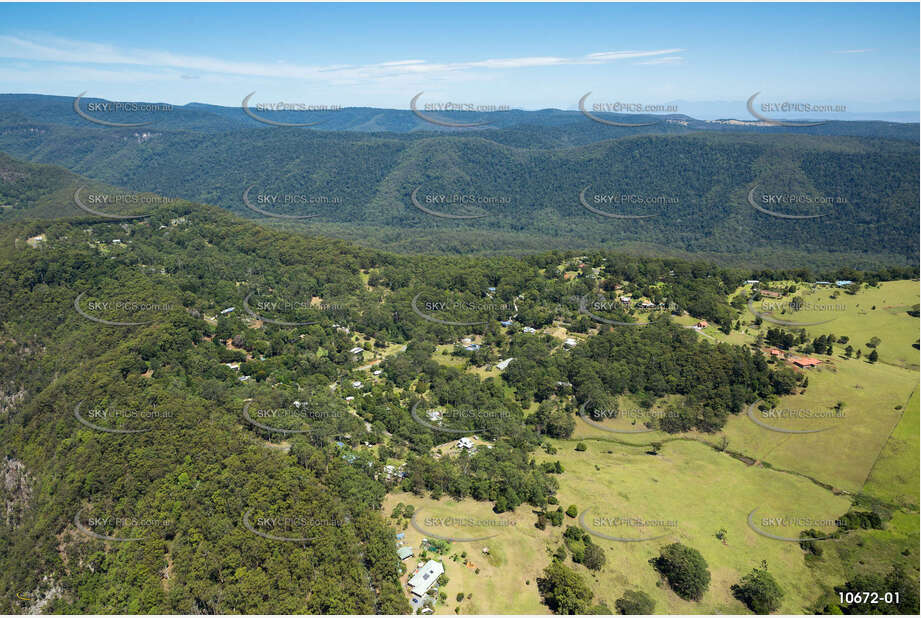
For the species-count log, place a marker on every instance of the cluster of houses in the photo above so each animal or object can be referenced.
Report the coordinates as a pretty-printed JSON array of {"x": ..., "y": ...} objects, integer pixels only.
[
  {"x": 840, "y": 283},
  {"x": 626, "y": 301},
  {"x": 803, "y": 362},
  {"x": 394, "y": 472},
  {"x": 469, "y": 345}
]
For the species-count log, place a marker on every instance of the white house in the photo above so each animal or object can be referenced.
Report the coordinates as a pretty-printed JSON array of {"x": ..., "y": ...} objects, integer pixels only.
[
  {"x": 528, "y": 329},
  {"x": 501, "y": 365},
  {"x": 465, "y": 443},
  {"x": 357, "y": 350},
  {"x": 570, "y": 342},
  {"x": 227, "y": 310},
  {"x": 425, "y": 578},
  {"x": 434, "y": 414},
  {"x": 356, "y": 384}
]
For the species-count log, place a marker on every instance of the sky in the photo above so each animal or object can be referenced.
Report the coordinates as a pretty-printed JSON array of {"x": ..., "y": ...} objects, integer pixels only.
[{"x": 528, "y": 56}]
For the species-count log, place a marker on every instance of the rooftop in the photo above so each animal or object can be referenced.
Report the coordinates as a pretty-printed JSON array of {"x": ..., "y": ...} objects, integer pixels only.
[{"x": 425, "y": 577}]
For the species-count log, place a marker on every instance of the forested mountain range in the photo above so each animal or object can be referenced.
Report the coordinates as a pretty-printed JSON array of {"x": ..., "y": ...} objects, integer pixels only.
[
  {"x": 547, "y": 127},
  {"x": 769, "y": 197},
  {"x": 154, "y": 313}
]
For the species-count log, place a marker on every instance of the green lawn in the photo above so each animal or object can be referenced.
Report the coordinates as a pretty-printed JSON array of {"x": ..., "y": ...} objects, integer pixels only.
[
  {"x": 895, "y": 477},
  {"x": 704, "y": 491},
  {"x": 872, "y": 312},
  {"x": 844, "y": 454},
  {"x": 689, "y": 482},
  {"x": 516, "y": 555}
]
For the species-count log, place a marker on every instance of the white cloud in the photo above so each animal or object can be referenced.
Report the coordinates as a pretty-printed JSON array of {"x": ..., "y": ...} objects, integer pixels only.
[{"x": 72, "y": 52}]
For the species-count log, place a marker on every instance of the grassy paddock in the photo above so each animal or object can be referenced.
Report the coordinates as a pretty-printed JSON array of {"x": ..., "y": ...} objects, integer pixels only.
[{"x": 678, "y": 484}]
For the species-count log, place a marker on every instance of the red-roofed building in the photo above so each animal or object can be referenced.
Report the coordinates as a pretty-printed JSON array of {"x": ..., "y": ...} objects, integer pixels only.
[
  {"x": 771, "y": 294},
  {"x": 775, "y": 352},
  {"x": 806, "y": 362},
  {"x": 702, "y": 324}
]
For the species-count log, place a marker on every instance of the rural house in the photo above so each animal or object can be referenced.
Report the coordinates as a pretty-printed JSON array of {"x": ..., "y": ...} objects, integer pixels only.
[{"x": 424, "y": 578}]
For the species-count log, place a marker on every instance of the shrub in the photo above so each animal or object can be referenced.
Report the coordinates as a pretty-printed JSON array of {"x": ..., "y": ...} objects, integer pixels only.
[
  {"x": 634, "y": 602},
  {"x": 563, "y": 590},
  {"x": 594, "y": 557},
  {"x": 759, "y": 591},
  {"x": 685, "y": 570}
]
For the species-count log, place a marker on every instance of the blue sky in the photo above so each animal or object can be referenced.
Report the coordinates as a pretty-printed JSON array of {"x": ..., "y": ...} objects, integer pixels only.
[{"x": 522, "y": 55}]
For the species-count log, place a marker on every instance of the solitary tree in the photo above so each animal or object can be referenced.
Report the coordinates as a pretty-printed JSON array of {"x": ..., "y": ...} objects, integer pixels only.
[
  {"x": 759, "y": 591},
  {"x": 685, "y": 570},
  {"x": 635, "y": 602}
]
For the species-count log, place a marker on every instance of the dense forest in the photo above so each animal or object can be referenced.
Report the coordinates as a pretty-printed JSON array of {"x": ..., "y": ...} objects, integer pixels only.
[
  {"x": 697, "y": 193},
  {"x": 140, "y": 356}
]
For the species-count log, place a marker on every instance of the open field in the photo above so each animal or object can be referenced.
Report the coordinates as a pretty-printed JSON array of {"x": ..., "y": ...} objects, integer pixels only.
[
  {"x": 843, "y": 454},
  {"x": 517, "y": 555},
  {"x": 894, "y": 477},
  {"x": 681, "y": 483},
  {"x": 872, "y": 312},
  {"x": 704, "y": 491}
]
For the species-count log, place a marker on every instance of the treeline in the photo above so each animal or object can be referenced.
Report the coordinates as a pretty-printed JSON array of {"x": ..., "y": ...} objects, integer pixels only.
[{"x": 360, "y": 182}]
